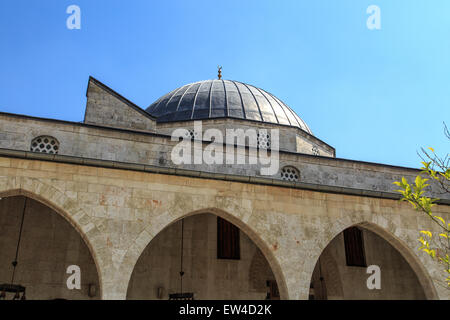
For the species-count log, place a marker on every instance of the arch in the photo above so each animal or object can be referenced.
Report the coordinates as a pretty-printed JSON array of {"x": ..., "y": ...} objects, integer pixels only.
[
  {"x": 389, "y": 235},
  {"x": 134, "y": 252},
  {"x": 412, "y": 259},
  {"x": 65, "y": 207}
]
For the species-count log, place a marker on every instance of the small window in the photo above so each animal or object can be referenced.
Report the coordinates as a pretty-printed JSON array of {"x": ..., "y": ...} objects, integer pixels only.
[
  {"x": 191, "y": 134},
  {"x": 315, "y": 151},
  {"x": 46, "y": 144},
  {"x": 227, "y": 240},
  {"x": 290, "y": 174},
  {"x": 354, "y": 247},
  {"x": 263, "y": 140}
]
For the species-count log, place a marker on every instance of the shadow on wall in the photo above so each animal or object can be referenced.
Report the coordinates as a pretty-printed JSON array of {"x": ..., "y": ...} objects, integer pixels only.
[
  {"x": 48, "y": 245},
  {"x": 219, "y": 262}
]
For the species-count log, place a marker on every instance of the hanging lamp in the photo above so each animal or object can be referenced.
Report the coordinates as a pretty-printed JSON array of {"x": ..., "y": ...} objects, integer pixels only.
[
  {"x": 11, "y": 287},
  {"x": 181, "y": 295},
  {"x": 322, "y": 283}
]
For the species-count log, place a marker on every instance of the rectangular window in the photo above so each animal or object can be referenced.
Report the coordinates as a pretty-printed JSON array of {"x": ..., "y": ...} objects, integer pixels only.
[
  {"x": 354, "y": 247},
  {"x": 227, "y": 240},
  {"x": 273, "y": 293}
]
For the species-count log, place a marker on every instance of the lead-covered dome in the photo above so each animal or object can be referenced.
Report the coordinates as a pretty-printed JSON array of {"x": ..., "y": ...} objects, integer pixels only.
[{"x": 211, "y": 99}]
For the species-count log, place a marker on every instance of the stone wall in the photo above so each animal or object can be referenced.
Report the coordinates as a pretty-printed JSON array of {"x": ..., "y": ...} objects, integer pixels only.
[
  {"x": 107, "y": 108},
  {"x": 150, "y": 149},
  {"x": 118, "y": 212}
]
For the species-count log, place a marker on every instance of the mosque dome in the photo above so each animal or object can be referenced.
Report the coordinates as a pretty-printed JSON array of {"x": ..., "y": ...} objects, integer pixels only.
[{"x": 212, "y": 99}]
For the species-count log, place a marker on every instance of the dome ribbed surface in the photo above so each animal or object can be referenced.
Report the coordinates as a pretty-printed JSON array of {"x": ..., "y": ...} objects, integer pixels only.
[{"x": 211, "y": 99}]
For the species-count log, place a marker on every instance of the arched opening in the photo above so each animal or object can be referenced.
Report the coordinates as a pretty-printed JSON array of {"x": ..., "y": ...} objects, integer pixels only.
[
  {"x": 341, "y": 271},
  {"x": 217, "y": 263},
  {"x": 46, "y": 246}
]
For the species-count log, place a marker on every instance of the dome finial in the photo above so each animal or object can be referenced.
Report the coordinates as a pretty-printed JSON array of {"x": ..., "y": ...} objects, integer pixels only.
[{"x": 219, "y": 70}]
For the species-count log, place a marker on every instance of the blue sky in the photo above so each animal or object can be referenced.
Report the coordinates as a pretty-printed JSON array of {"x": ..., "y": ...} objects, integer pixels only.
[{"x": 375, "y": 95}]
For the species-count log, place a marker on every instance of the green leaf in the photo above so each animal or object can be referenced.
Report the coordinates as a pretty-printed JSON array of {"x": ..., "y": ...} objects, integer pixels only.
[
  {"x": 440, "y": 219},
  {"x": 428, "y": 233}
]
